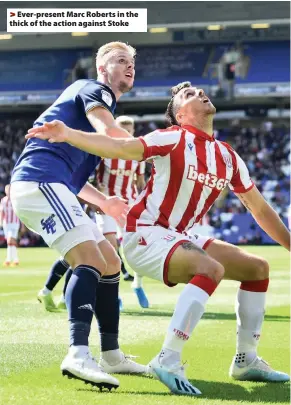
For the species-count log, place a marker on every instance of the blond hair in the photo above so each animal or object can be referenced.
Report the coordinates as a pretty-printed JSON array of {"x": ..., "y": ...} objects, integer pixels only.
[
  {"x": 124, "y": 119},
  {"x": 112, "y": 46}
]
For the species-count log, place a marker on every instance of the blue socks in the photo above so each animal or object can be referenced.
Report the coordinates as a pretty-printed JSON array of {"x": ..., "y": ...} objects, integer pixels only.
[
  {"x": 67, "y": 279},
  {"x": 87, "y": 294},
  {"x": 58, "y": 269},
  {"x": 107, "y": 311},
  {"x": 81, "y": 301}
]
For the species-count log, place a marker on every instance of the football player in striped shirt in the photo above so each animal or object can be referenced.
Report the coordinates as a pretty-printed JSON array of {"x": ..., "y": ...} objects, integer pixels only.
[
  {"x": 190, "y": 170},
  {"x": 10, "y": 223},
  {"x": 125, "y": 179}
]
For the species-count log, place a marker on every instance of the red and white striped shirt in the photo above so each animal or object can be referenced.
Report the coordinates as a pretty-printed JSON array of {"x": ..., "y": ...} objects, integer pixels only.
[
  {"x": 6, "y": 211},
  {"x": 117, "y": 176},
  {"x": 190, "y": 170}
]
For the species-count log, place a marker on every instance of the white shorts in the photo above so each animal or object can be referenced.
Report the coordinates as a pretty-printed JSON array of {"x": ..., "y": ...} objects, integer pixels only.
[
  {"x": 53, "y": 211},
  {"x": 149, "y": 250},
  {"x": 108, "y": 225},
  {"x": 11, "y": 230}
]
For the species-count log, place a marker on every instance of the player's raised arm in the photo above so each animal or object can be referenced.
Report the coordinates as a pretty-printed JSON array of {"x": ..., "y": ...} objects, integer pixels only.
[
  {"x": 266, "y": 216},
  {"x": 104, "y": 123},
  {"x": 244, "y": 188},
  {"x": 96, "y": 144}
]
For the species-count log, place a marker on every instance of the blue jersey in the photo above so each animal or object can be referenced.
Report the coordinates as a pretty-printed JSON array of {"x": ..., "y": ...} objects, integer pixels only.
[
  {"x": 81, "y": 176},
  {"x": 42, "y": 161}
]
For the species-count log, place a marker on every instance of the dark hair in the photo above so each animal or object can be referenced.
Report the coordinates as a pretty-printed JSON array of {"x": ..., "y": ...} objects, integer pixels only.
[{"x": 171, "y": 111}]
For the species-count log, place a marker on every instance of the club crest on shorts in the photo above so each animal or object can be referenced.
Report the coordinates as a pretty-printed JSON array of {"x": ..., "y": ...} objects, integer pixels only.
[
  {"x": 49, "y": 224},
  {"x": 106, "y": 97}
]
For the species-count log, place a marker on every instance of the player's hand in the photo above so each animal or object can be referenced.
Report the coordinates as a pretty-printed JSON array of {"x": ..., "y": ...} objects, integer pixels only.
[
  {"x": 54, "y": 131},
  {"x": 117, "y": 208}
]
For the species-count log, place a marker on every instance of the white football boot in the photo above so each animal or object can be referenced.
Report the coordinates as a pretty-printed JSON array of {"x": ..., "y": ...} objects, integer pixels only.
[
  {"x": 124, "y": 366},
  {"x": 47, "y": 301},
  {"x": 85, "y": 368},
  {"x": 62, "y": 303},
  {"x": 173, "y": 377},
  {"x": 257, "y": 370}
]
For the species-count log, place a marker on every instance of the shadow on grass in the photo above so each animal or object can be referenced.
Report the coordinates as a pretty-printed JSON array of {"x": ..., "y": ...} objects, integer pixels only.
[
  {"x": 207, "y": 315},
  {"x": 259, "y": 393}
]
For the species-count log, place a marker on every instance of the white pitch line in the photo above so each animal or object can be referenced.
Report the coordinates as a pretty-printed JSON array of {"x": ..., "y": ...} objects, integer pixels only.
[{"x": 16, "y": 293}]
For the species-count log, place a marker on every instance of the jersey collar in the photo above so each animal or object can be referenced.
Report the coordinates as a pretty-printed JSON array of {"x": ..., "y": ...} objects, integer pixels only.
[{"x": 199, "y": 133}]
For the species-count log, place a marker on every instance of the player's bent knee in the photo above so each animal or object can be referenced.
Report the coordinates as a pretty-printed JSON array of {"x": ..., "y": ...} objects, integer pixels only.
[
  {"x": 213, "y": 270},
  {"x": 216, "y": 271},
  {"x": 261, "y": 267},
  {"x": 112, "y": 240},
  {"x": 117, "y": 262},
  {"x": 113, "y": 265},
  {"x": 210, "y": 268},
  {"x": 86, "y": 254}
]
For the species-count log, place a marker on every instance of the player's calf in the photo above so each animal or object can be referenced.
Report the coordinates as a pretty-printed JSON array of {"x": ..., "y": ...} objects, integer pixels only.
[
  {"x": 112, "y": 259},
  {"x": 81, "y": 294},
  {"x": 202, "y": 274}
]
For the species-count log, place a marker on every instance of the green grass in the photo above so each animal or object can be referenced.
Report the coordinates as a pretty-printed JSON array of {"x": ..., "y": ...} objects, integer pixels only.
[{"x": 34, "y": 342}]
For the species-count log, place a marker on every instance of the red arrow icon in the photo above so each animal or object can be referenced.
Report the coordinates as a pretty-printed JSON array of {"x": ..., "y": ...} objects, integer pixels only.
[{"x": 12, "y": 14}]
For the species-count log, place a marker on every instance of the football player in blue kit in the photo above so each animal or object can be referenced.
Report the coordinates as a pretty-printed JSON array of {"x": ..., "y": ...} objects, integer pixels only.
[
  {"x": 43, "y": 194},
  {"x": 60, "y": 267}
]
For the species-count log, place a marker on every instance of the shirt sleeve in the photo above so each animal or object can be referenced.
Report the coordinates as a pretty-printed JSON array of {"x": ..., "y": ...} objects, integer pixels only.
[
  {"x": 140, "y": 168},
  {"x": 95, "y": 95},
  {"x": 241, "y": 181},
  {"x": 160, "y": 143}
]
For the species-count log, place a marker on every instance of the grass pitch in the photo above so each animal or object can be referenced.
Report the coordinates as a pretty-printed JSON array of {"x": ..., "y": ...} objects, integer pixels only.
[{"x": 33, "y": 342}]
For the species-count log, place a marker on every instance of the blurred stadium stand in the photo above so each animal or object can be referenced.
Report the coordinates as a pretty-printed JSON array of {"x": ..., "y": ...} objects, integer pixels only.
[{"x": 196, "y": 44}]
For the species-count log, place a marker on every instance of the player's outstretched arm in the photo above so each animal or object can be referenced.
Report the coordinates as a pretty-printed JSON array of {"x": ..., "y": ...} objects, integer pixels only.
[
  {"x": 266, "y": 216},
  {"x": 96, "y": 144}
]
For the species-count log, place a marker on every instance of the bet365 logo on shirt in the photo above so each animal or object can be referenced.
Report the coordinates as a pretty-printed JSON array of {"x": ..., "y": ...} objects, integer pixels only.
[{"x": 208, "y": 179}]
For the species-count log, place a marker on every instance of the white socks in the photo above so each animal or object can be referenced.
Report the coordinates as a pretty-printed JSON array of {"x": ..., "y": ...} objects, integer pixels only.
[
  {"x": 11, "y": 254},
  {"x": 46, "y": 291},
  {"x": 78, "y": 351},
  {"x": 14, "y": 253},
  {"x": 250, "y": 310},
  {"x": 137, "y": 282},
  {"x": 112, "y": 357},
  {"x": 62, "y": 299},
  {"x": 170, "y": 358},
  {"x": 188, "y": 312}
]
